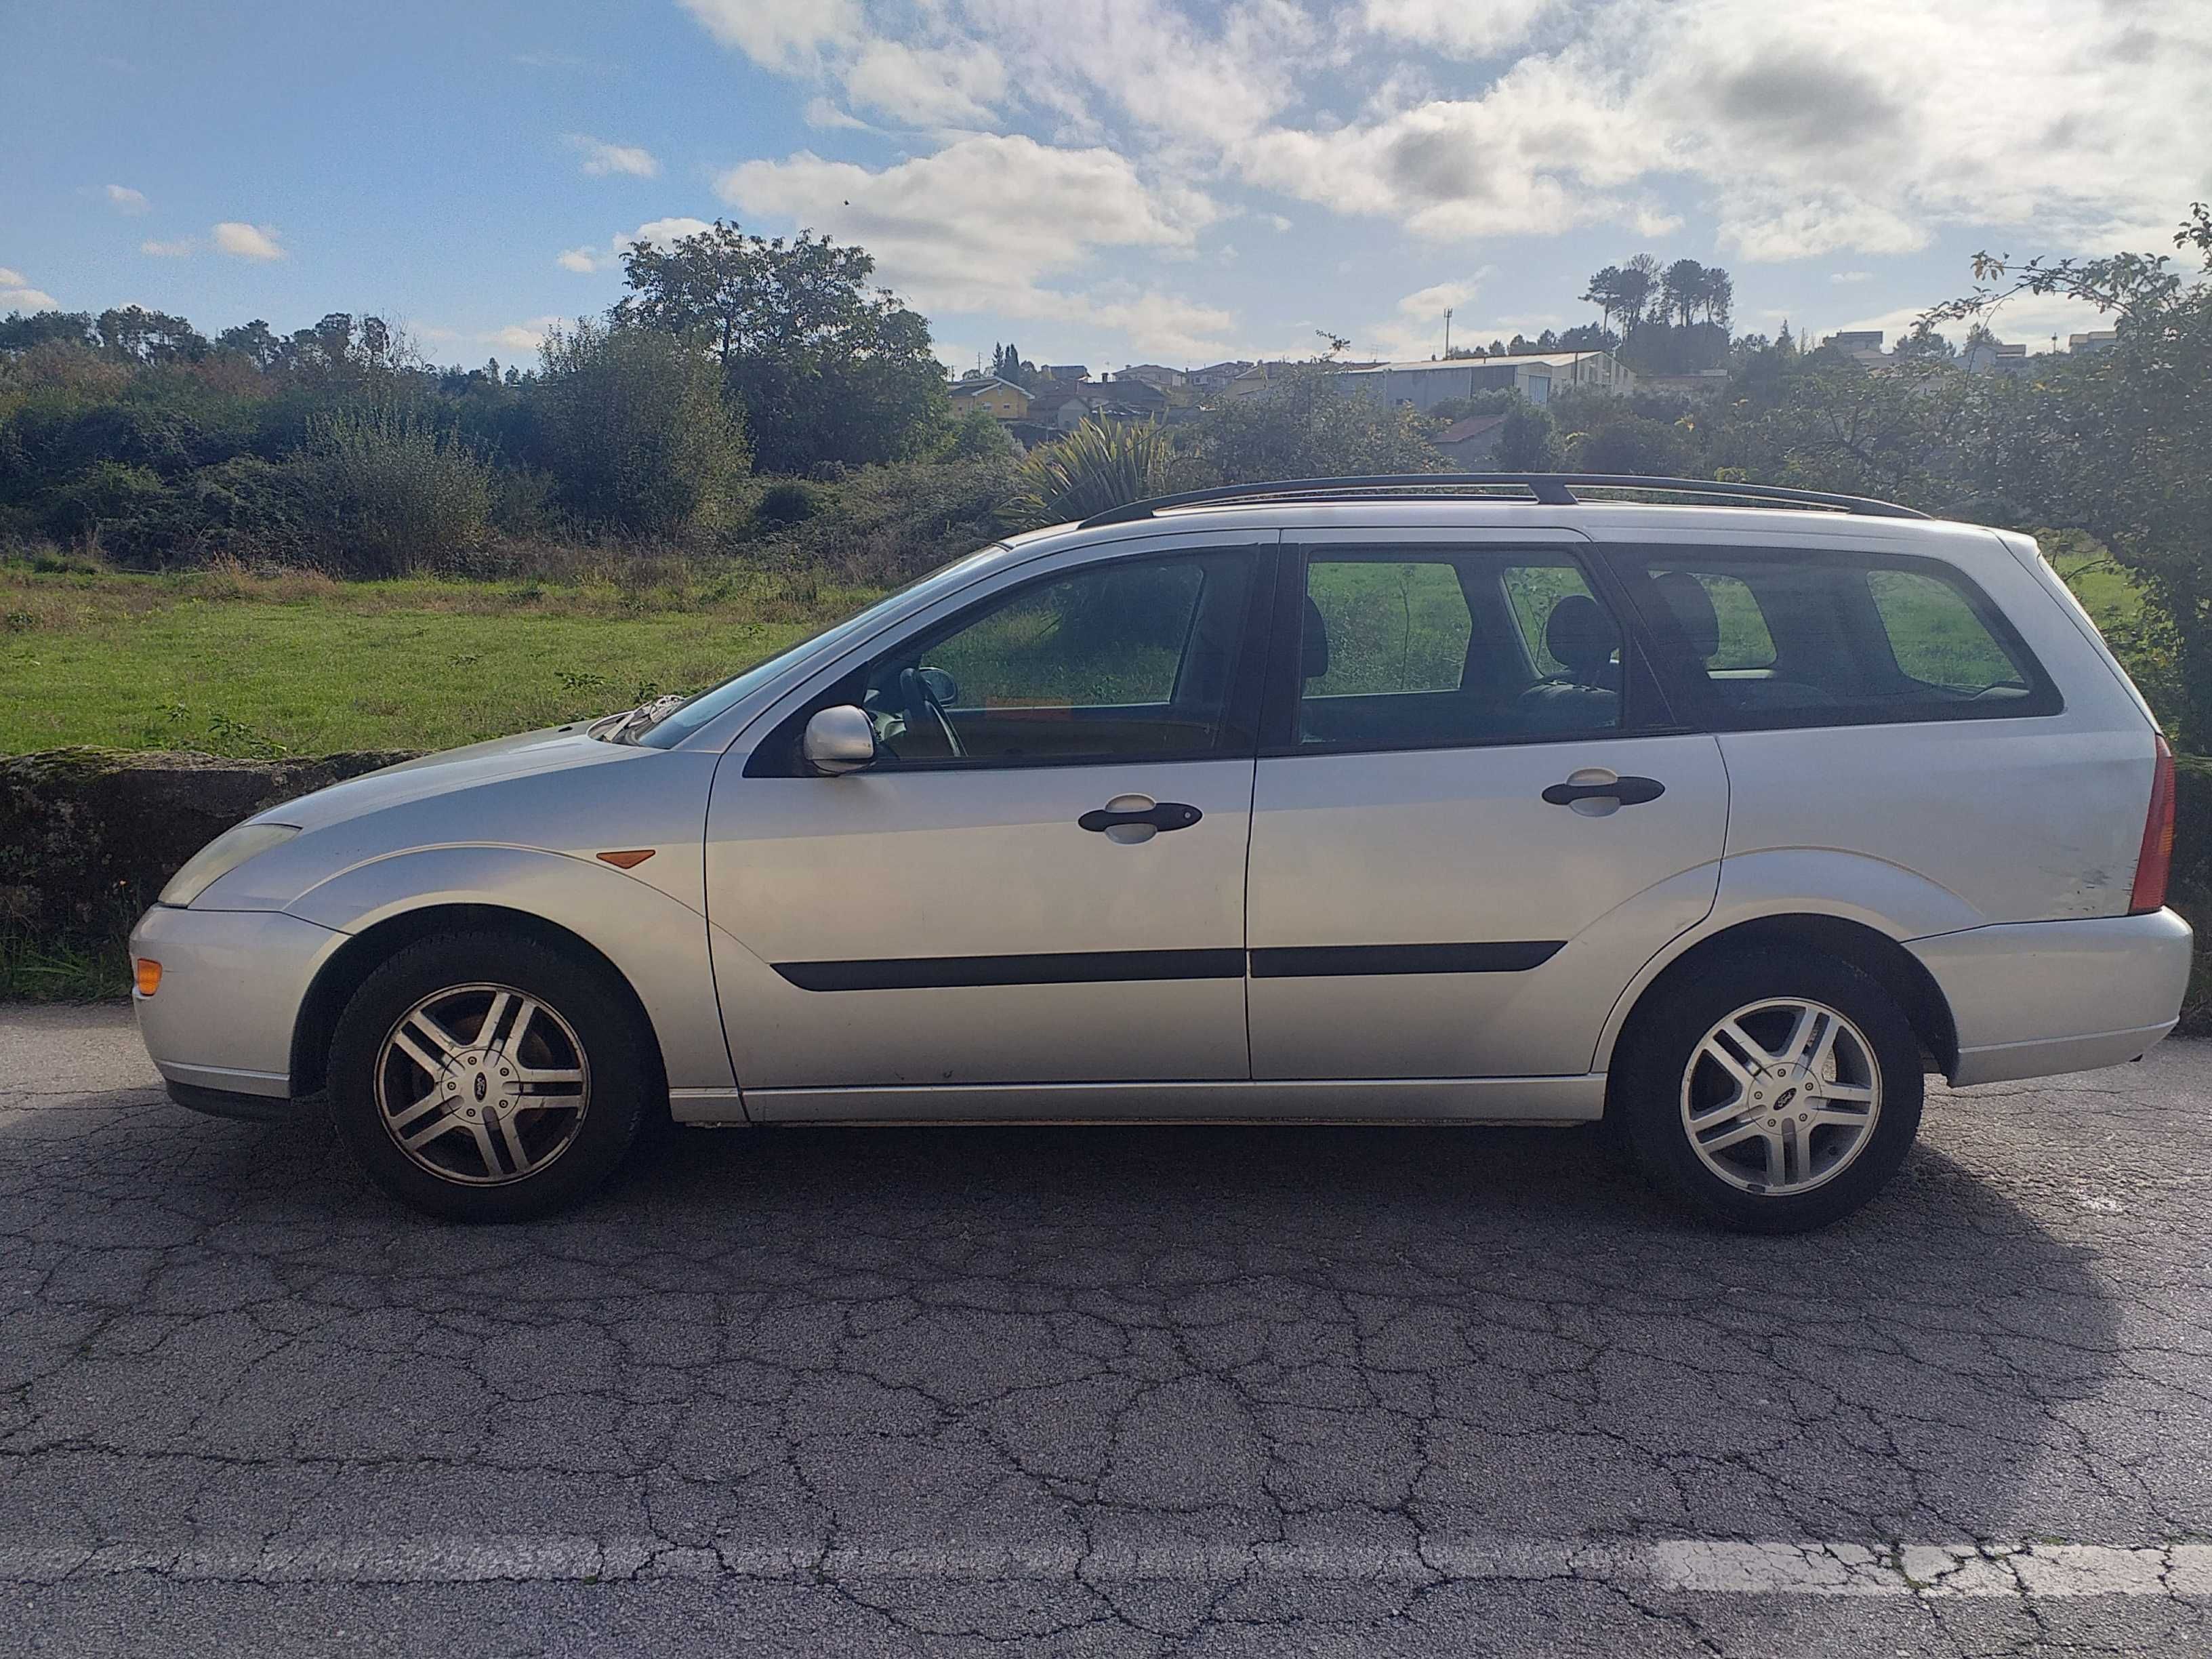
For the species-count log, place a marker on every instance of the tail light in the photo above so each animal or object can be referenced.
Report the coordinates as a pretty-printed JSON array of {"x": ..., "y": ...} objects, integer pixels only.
[{"x": 2155, "y": 861}]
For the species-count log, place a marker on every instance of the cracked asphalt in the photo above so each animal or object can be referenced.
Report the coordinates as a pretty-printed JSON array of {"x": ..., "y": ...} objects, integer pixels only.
[{"x": 1101, "y": 1391}]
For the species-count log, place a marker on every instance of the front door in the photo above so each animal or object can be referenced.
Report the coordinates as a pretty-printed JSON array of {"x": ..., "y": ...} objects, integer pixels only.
[
  {"x": 1471, "y": 823},
  {"x": 1040, "y": 880}
]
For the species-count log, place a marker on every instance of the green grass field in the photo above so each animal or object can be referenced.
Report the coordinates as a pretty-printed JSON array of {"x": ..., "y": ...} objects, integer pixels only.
[
  {"x": 301, "y": 665},
  {"x": 229, "y": 663}
]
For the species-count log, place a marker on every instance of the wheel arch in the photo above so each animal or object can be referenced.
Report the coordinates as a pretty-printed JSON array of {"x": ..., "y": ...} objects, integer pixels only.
[
  {"x": 1880, "y": 957},
  {"x": 352, "y": 964}
]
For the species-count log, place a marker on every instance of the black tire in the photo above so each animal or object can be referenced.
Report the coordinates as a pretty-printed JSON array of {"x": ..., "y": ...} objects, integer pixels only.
[
  {"x": 1655, "y": 1053},
  {"x": 619, "y": 1061}
]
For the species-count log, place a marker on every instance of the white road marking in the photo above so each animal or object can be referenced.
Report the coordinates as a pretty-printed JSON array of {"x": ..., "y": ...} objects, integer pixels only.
[{"x": 1687, "y": 1566}]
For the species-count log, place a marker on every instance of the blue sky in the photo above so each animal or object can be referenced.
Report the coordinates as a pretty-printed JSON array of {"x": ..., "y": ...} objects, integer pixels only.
[{"x": 1103, "y": 181}]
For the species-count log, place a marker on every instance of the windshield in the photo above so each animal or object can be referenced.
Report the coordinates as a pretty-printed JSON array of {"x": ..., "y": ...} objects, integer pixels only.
[{"x": 681, "y": 721}]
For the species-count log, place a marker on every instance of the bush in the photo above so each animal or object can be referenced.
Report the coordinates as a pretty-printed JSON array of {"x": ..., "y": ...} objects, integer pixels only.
[
  {"x": 788, "y": 501},
  {"x": 632, "y": 423},
  {"x": 882, "y": 525},
  {"x": 382, "y": 493}
]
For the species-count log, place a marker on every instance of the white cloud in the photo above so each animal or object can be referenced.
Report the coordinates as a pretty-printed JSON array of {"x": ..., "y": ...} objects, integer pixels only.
[
  {"x": 926, "y": 85},
  {"x": 777, "y": 33},
  {"x": 1851, "y": 275},
  {"x": 182, "y": 248},
  {"x": 823, "y": 113},
  {"x": 2035, "y": 319},
  {"x": 521, "y": 337},
  {"x": 602, "y": 159},
  {"x": 245, "y": 241},
  {"x": 1464, "y": 28},
  {"x": 16, "y": 293},
  {"x": 661, "y": 233},
  {"x": 982, "y": 224},
  {"x": 1435, "y": 299},
  {"x": 124, "y": 199}
]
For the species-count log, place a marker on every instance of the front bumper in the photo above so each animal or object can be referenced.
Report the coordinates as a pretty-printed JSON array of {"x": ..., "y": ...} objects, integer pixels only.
[
  {"x": 2036, "y": 999},
  {"x": 231, "y": 985}
]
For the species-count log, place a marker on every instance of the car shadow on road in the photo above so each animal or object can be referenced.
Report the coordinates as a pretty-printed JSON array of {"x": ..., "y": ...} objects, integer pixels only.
[{"x": 1477, "y": 1325}]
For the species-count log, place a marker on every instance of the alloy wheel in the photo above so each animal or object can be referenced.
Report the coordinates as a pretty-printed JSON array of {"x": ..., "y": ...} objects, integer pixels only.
[
  {"x": 1781, "y": 1097},
  {"x": 493, "y": 1106}
]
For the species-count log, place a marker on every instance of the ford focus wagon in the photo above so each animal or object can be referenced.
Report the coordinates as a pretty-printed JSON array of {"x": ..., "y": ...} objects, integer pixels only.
[{"x": 1439, "y": 801}]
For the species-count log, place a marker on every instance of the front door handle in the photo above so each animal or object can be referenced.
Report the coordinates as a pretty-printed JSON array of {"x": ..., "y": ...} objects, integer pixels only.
[
  {"x": 1139, "y": 818},
  {"x": 1596, "y": 785}
]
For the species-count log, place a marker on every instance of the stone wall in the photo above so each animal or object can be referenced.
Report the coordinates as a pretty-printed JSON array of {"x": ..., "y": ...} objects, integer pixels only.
[{"x": 88, "y": 836}]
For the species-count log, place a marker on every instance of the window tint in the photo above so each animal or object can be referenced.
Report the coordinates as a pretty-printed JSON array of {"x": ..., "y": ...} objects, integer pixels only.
[
  {"x": 1739, "y": 639},
  {"x": 1935, "y": 636},
  {"x": 1819, "y": 638},
  {"x": 1391, "y": 625},
  {"x": 1444, "y": 650},
  {"x": 1137, "y": 658}
]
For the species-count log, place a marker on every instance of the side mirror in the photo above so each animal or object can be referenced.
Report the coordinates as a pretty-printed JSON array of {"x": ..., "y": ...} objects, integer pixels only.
[{"x": 839, "y": 740}]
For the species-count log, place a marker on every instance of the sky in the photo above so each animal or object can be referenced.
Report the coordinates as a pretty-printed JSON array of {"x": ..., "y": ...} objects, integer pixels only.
[{"x": 1099, "y": 181}]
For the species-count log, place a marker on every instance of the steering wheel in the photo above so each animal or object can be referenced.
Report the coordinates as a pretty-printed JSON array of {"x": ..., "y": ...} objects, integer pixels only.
[{"x": 916, "y": 696}]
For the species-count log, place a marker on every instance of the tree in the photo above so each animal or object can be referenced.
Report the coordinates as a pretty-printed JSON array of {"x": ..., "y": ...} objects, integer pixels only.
[
  {"x": 1719, "y": 297},
  {"x": 826, "y": 368},
  {"x": 1639, "y": 286},
  {"x": 634, "y": 429},
  {"x": 1527, "y": 442},
  {"x": 1683, "y": 291},
  {"x": 21, "y": 330},
  {"x": 1607, "y": 292},
  {"x": 2119, "y": 442},
  {"x": 150, "y": 336},
  {"x": 253, "y": 342},
  {"x": 1922, "y": 342},
  {"x": 1303, "y": 427}
]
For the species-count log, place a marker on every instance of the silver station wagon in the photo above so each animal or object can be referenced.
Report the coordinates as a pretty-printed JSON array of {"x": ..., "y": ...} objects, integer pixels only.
[{"x": 1470, "y": 799}]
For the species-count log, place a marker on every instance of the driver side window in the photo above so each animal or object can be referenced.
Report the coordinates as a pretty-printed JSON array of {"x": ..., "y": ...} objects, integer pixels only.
[{"x": 1135, "y": 659}]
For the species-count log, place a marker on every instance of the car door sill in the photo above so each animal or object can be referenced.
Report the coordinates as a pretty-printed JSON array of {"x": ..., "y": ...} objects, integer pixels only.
[{"x": 1573, "y": 1099}]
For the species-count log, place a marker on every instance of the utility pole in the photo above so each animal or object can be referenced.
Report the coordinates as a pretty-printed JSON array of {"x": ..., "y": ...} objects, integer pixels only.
[{"x": 1448, "y": 311}]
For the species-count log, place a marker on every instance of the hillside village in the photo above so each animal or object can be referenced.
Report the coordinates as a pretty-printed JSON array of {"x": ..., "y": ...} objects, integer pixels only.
[{"x": 1035, "y": 403}]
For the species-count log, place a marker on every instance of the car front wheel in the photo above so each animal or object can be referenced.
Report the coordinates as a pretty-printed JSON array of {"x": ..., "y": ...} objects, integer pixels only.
[
  {"x": 1773, "y": 1091},
  {"x": 480, "y": 1077}
]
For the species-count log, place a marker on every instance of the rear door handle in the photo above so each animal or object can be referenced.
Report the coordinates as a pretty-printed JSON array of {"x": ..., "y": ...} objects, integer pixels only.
[
  {"x": 1137, "y": 817},
  {"x": 1629, "y": 792}
]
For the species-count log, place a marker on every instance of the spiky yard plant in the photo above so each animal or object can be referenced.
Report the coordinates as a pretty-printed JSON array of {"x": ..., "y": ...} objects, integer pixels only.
[{"x": 1097, "y": 466}]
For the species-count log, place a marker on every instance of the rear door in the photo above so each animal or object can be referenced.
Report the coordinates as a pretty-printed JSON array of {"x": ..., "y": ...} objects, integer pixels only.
[{"x": 1473, "y": 817}]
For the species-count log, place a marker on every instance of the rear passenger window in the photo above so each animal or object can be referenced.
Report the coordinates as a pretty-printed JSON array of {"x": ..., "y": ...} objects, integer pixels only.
[
  {"x": 1820, "y": 638},
  {"x": 1450, "y": 649}
]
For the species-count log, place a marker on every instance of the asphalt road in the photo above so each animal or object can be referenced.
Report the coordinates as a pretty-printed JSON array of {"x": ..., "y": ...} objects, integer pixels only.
[{"x": 1101, "y": 1391}]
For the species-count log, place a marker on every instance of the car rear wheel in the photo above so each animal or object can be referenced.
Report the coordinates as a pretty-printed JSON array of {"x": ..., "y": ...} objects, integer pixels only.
[
  {"x": 481, "y": 1077},
  {"x": 1773, "y": 1091}
]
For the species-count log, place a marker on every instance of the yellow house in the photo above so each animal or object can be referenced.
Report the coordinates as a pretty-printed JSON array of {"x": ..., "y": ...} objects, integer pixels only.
[{"x": 1000, "y": 399}]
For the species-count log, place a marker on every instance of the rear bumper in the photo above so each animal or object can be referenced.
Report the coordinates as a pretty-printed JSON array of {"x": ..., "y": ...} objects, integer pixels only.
[
  {"x": 2035, "y": 999},
  {"x": 231, "y": 985}
]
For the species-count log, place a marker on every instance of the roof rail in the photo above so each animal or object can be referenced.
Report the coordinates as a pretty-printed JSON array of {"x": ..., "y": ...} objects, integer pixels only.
[{"x": 1550, "y": 488}]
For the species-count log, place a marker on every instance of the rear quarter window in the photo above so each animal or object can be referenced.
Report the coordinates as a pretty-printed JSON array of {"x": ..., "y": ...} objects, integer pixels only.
[{"x": 1822, "y": 637}]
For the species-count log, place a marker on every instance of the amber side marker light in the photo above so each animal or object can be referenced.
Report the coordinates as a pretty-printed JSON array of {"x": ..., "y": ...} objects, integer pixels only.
[
  {"x": 628, "y": 860},
  {"x": 149, "y": 972}
]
